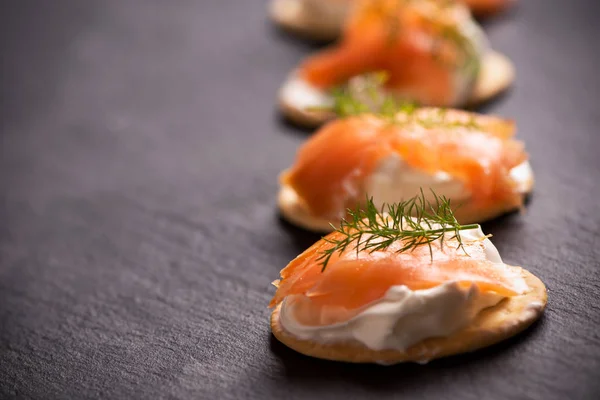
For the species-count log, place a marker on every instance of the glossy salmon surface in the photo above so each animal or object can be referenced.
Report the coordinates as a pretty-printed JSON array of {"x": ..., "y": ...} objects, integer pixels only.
[
  {"x": 354, "y": 279},
  {"x": 420, "y": 45},
  {"x": 331, "y": 167}
]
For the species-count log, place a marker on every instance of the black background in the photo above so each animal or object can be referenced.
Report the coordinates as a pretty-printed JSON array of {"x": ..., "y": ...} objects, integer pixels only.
[{"x": 138, "y": 230}]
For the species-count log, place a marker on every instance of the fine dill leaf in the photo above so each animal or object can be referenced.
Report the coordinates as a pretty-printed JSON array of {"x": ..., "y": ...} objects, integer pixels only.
[
  {"x": 414, "y": 222},
  {"x": 362, "y": 95},
  {"x": 368, "y": 96},
  {"x": 365, "y": 94},
  {"x": 346, "y": 105}
]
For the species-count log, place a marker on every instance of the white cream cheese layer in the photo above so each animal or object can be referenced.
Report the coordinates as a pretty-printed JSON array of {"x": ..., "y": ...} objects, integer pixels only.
[
  {"x": 300, "y": 94},
  {"x": 394, "y": 180},
  {"x": 522, "y": 175},
  {"x": 319, "y": 15},
  {"x": 403, "y": 317}
]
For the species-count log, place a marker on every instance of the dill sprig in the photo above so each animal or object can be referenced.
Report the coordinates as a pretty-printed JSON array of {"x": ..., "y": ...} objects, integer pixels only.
[
  {"x": 414, "y": 222},
  {"x": 366, "y": 95}
]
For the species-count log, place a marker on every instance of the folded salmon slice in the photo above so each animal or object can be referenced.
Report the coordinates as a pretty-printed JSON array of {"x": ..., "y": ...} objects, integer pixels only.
[
  {"x": 417, "y": 43},
  {"x": 353, "y": 280},
  {"x": 330, "y": 169}
]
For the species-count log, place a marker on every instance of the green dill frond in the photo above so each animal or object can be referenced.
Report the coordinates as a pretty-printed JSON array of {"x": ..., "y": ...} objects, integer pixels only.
[
  {"x": 367, "y": 95},
  {"x": 414, "y": 222}
]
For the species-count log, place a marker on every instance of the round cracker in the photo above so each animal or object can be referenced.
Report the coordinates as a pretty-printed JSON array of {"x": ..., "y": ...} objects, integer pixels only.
[
  {"x": 492, "y": 325},
  {"x": 302, "y": 117},
  {"x": 294, "y": 210},
  {"x": 293, "y": 17},
  {"x": 497, "y": 74}
]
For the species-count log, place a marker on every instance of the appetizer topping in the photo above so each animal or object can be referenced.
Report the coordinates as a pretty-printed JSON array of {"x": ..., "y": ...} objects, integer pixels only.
[
  {"x": 333, "y": 169},
  {"x": 431, "y": 50},
  {"x": 400, "y": 319},
  {"x": 389, "y": 279},
  {"x": 412, "y": 223},
  {"x": 376, "y": 249}
]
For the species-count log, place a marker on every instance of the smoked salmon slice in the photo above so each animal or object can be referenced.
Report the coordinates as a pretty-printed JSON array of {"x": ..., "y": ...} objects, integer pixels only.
[
  {"x": 354, "y": 279},
  {"x": 419, "y": 44},
  {"x": 331, "y": 168}
]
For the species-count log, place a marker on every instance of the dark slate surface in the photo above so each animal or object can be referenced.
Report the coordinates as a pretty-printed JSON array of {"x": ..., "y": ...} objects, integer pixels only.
[{"x": 138, "y": 233}]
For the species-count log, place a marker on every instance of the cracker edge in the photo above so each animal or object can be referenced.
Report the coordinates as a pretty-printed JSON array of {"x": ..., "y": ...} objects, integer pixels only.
[
  {"x": 497, "y": 75},
  {"x": 296, "y": 212},
  {"x": 295, "y": 21}
]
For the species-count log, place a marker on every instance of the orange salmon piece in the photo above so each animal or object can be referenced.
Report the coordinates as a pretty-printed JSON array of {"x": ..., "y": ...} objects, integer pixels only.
[
  {"x": 330, "y": 168},
  {"x": 331, "y": 164},
  {"x": 353, "y": 280},
  {"x": 398, "y": 38}
]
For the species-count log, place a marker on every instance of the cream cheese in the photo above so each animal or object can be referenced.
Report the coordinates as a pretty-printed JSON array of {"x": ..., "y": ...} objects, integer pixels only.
[
  {"x": 522, "y": 175},
  {"x": 403, "y": 317},
  {"x": 302, "y": 95},
  {"x": 325, "y": 17},
  {"x": 394, "y": 180}
]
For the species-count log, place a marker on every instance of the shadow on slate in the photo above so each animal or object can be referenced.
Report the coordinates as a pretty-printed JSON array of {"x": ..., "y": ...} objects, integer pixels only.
[
  {"x": 286, "y": 125},
  {"x": 138, "y": 234},
  {"x": 394, "y": 378},
  {"x": 291, "y": 39},
  {"x": 303, "y": 238}
]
